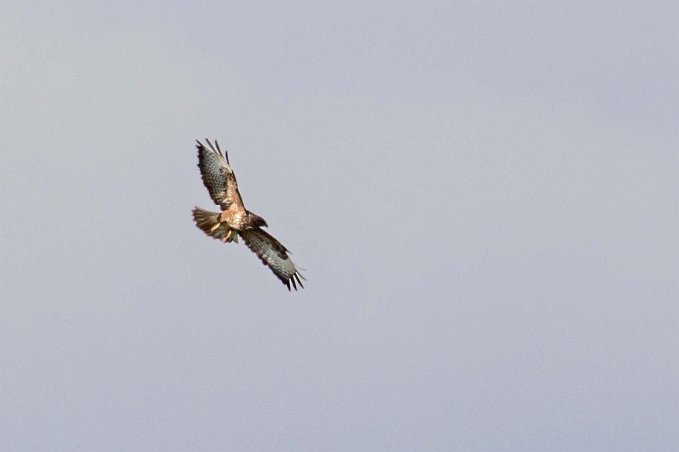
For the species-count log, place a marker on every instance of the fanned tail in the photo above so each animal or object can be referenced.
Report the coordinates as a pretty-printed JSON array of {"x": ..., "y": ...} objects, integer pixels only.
[{"x": 208, "y": 222}]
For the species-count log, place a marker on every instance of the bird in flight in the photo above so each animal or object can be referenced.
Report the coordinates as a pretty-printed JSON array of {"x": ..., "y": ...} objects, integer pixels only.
[{"x": 234, "y": 219}]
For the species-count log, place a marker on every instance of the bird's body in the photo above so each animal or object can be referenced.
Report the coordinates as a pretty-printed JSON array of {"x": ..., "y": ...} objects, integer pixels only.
[{"x": 235, "y": 220}]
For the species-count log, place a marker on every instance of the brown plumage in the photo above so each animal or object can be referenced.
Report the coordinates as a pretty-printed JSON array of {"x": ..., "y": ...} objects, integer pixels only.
[{"x": 234, "y": 219}]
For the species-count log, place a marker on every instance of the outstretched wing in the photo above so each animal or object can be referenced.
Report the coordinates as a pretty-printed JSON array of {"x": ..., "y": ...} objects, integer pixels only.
[
  {"x": 218, "y": 176},
  {"x": 274, "y": 255}
]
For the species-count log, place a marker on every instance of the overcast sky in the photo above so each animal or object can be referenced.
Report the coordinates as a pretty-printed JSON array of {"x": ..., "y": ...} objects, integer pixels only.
[{"x": 484, "y": 195}]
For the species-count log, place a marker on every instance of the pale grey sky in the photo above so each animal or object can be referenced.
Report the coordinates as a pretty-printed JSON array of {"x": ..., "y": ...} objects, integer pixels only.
[{"x": 485, "y": 196}]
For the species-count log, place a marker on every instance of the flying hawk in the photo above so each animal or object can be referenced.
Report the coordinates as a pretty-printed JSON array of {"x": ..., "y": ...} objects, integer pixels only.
[{"x": 234, "y": 219}]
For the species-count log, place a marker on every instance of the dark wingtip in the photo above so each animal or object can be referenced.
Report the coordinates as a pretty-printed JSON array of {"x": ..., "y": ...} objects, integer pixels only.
[
  {"x": 294, "y": 281},
  {"x": 295, "y": 278},
  {"x": 225, "y": 153},
  {"x": 216, "y": 149}
]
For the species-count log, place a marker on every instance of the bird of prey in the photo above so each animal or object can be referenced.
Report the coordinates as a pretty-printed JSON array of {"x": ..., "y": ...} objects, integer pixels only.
[{"x": 234, "y": 219}]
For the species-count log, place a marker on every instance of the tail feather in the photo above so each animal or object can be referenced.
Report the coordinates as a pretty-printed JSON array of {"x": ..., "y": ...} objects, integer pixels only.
[{"x": 208, "y": 222}]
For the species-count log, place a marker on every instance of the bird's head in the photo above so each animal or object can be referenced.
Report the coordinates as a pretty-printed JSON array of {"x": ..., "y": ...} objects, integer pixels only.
[{"x": 257, "y": 221}]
